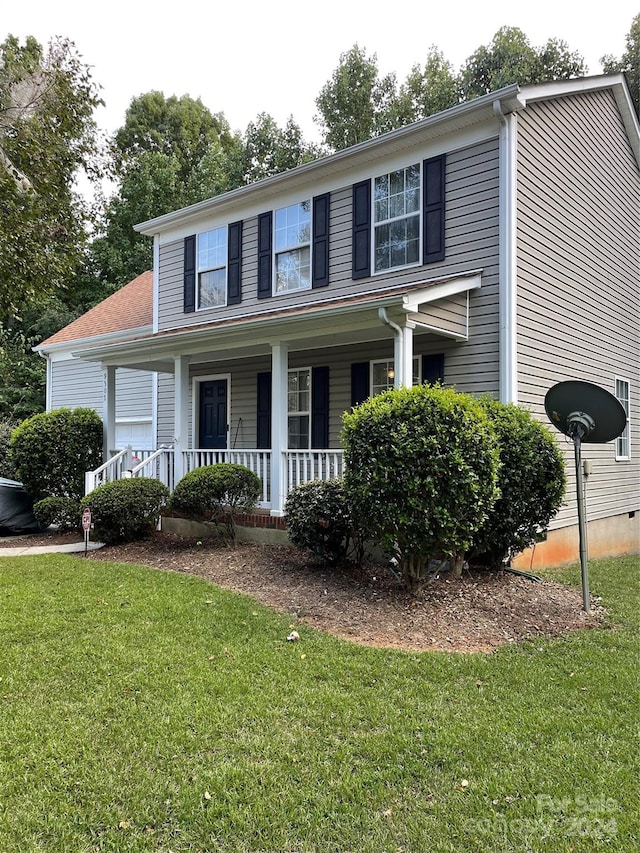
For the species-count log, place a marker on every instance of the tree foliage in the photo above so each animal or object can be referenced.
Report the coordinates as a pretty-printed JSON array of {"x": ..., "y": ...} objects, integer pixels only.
[
  {"x": 629, "y": 63},
  {"x": 510, "y": 58},
  {"x": 47, "y": 134}
]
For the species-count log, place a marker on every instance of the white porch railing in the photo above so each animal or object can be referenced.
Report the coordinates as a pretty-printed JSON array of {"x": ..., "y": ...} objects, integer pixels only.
[
  {"x": 258, "y": 461},
  {"x": 299, "y": 466},
  {"x": 114, "y": 468},
  {"x": 157, "y": 465},
  {"x": 305, "y": 465}
]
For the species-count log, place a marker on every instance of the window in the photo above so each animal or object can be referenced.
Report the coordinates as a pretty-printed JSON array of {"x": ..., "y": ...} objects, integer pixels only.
[
  {"x": 299, "y": 408},
  {"x": 292, "y": 241},
  {"x": 383, "y": 375},
  {"x": 622, "y": 441},
  {"x": 212, "y": 268},
  {"x": 396, "y": 219}
]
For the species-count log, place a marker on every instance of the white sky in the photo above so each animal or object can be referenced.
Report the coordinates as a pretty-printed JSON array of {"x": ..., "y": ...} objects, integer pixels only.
[{"x": 256, "y": 56}]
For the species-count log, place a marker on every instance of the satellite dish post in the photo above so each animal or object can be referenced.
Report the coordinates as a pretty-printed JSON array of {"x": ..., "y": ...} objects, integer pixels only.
[{"x": 584, "y": 412}]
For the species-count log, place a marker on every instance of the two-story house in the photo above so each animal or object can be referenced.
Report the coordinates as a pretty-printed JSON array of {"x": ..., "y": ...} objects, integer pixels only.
[{"x": 493, "y": 246}]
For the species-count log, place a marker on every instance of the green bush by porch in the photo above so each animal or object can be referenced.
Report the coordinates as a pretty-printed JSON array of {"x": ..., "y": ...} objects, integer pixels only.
[
  {"x": 51, "y": 452},
  {"x": 420, "y": 474},
  {"x": 125, "y": 510},
  {"x": 216, "y": 492}
]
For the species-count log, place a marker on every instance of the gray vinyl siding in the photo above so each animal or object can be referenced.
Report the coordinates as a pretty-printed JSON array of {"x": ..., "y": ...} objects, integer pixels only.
[
  {"x": 471, "y": 239},
  {"x": 578, "y": 275},
  {"x": 77, "y": 384},
  {"x": 165, "y": 418},
  {"x": 80, "y": 384}
]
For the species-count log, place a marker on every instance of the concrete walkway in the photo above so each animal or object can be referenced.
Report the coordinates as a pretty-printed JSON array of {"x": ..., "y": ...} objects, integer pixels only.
[{"x": 70, "y": 548}]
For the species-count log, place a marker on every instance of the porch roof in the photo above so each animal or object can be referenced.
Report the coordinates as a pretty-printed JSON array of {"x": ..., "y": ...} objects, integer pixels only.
[{"x": 438, "y": 306}]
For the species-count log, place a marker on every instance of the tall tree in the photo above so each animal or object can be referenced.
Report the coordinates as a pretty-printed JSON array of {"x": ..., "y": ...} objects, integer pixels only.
[
  {"x": 629, "y": 64},
  {"x": 427, "y": 90},
  {"x": 47, "y": 135},
  {"x": 354, "y": 105},
  {"x": 269, "y": 150},
  {"x": 510, "y": 58}
]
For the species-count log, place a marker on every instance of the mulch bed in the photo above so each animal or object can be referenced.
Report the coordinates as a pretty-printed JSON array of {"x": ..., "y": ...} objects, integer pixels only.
[{"x": 477, "y": 613}]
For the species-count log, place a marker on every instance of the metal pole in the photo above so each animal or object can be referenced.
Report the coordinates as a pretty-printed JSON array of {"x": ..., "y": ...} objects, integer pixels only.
[{"x": 582, "y": 527}]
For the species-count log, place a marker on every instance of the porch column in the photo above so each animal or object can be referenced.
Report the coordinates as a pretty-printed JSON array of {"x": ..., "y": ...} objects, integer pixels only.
[
  {"x": 109, "y": 411},
  {"x": 279, "y": 432},
  {"x": 181, "y": 413}
]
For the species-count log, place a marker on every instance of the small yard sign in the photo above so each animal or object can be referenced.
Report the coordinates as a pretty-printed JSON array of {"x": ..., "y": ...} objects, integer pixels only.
[{"x": 86, "y": 526}]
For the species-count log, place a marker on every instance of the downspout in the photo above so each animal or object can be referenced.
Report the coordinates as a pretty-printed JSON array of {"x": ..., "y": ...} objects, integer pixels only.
[
  {"x": 398, "y": 348},
  {"x": 47, "y": 358},
  {"x": 508, "y": 317}
]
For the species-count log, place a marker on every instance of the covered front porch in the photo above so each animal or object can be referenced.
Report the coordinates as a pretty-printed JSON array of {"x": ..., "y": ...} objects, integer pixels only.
[{"x": 268, "y": 392}]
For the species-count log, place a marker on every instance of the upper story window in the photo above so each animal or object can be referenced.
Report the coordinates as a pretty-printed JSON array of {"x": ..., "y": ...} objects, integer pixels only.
[
  {"x": 212, "y": 268},
  {"x": 396, "y": 219},
  {"x": 622, "y": 441},
  {"x": 292, "y": 247}
]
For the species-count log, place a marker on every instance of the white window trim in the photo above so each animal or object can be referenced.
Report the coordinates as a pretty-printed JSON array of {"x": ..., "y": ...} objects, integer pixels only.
[
  {"x": 417, "y": 263},
  {"x": 275, "y": 252},
  {"x": 372, "y": 362},
  {"x": 211, "y": 269},
  {"x": 627, "y": 429},
  {"x": 299, "y": 413}
]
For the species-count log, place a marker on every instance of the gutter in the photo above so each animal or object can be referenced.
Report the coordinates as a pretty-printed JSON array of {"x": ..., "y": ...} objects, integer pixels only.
[{"x": 508, "y": 316}]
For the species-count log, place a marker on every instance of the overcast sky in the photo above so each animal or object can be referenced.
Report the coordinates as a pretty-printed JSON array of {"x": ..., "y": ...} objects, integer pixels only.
[{"x": 255, "y": 56}]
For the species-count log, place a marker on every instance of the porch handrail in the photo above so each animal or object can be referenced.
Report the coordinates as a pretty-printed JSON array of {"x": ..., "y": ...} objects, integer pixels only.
[
  {"x": 158, "y": 465},
  {"x": 108, "y": 471},
  {"x": 317, "y": 464}
]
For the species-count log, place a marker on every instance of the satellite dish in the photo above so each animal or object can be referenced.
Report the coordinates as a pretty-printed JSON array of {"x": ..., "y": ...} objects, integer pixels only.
[
  {"x": 584, "y": 412},
  {"x": 582, "y": 407}
]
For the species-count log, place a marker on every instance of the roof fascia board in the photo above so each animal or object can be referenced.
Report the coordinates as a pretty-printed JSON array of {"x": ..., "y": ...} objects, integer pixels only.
[
  {"x": 102, "y": 340},
  {"x": 437, "y": 125}
]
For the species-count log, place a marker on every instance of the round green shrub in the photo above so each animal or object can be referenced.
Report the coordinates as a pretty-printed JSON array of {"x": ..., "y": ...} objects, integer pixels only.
[
  {"x": 319, "y": 520},
  {"x": 215, "y": 492},
  {"x": 531, "y": 480},
  {"x": 420, "y": 474},
  {"x": 64, "y": 513},
  {"x": 125, "y": 510},
  {"x": 52, "y": 451}
]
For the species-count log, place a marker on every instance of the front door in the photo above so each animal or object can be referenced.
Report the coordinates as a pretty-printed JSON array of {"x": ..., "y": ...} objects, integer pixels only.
[{"x": 213, "y": 415}]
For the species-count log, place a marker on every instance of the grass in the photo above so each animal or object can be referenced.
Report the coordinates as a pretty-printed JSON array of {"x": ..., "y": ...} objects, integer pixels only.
[{"x": 148, "y": 711}]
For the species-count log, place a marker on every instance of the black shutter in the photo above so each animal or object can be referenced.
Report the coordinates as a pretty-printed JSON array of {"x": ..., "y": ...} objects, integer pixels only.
[
  {"x": 320, "y": 407},
  {"x": 265, "y": 261},
  {"x": 361, "y": 232},
  {"x": 189, "y": 298},
  {"x": 320, "y": 276},
  {"x": 359, "y": 382},
  {"x": 433, "y": 368},
  {"x": 263, "y": 406},
  {"x": 434, "y": 193},
  {"x": 234, "y": 264}
]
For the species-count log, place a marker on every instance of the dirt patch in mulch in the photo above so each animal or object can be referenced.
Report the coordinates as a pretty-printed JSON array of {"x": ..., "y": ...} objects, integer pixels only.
[{"x": 477, "y": 613}]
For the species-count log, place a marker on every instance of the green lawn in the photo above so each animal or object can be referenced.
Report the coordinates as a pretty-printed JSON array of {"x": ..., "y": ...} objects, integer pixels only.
[{"x": 149, "y": 711}]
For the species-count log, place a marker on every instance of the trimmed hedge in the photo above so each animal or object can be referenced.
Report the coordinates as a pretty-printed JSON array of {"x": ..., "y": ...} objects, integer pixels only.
[
  {"x": 52, "y": 450},
  {"x": 319, "y": 520},
  {"x": 532, "y": 484},
  {"x": 65, "y": 513},
  {"x": 126, "y": 510},
  {"x": 216, "y": 492},
  {"x": 420, "y": 474}
]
